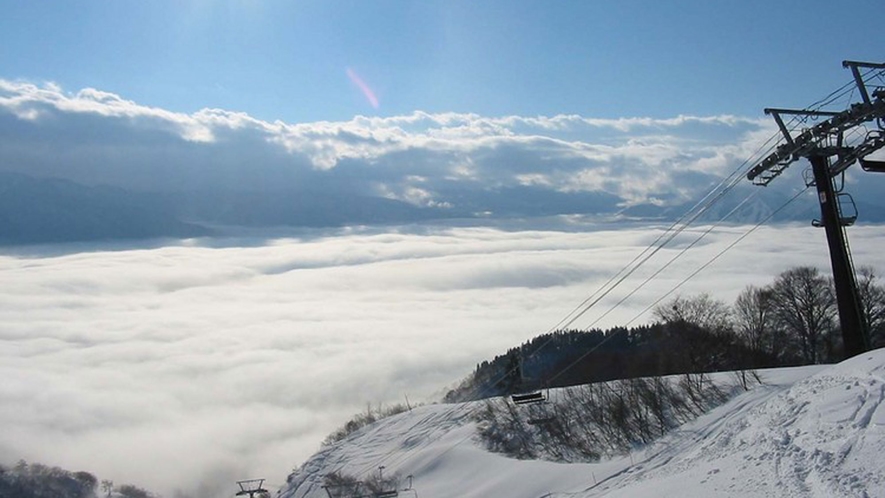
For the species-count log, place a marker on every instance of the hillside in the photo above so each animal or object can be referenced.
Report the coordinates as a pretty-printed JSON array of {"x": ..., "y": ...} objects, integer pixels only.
[{"x": 808, "y": 431}]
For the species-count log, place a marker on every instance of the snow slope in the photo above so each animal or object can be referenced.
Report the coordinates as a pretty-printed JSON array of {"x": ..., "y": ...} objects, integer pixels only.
[{"x": 810, "y": 431}]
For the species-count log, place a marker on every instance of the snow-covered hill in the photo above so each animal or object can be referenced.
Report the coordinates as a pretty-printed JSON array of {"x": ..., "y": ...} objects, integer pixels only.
[{"x": 810, "y": 431}]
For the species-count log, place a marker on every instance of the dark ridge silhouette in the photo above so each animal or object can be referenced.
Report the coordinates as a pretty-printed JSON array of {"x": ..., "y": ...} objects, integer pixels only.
[{"x": 35, "y": 211}]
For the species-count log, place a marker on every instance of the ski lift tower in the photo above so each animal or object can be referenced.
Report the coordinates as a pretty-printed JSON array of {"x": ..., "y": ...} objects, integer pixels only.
[
  {"x": 826, "y": 147},
  {"x": 252, "y": 487}
]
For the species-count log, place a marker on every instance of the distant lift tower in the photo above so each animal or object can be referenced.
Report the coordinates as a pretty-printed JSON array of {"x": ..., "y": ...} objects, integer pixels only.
[
  {"x": 253, "y": 488},
  {"x": 831, "y": 146}
]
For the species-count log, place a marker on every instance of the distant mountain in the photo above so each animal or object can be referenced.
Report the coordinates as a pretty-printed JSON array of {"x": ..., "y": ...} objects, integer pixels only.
[
  {"x": 527, "y": 201},
  {"x": 294, "y": 208},
  {"x": 34, "y": 211},
  {"x": 757, "y": 209},
  {"x": 49, "y": 210}
]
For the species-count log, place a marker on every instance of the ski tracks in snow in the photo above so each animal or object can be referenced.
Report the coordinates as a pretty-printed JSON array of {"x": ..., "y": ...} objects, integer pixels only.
[
  {"x": 387, "y": 443},
  {"x": 822, "y": 437}
]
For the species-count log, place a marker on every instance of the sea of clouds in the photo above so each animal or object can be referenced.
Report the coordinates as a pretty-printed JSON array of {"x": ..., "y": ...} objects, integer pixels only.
[
  {"x": 182, "y": 366},
  {"x": 188, "y": 365}
]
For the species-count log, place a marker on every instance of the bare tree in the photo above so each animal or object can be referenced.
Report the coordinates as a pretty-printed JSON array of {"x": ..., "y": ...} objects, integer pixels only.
[
  {"x": 872, "y": 301},
  {"x": 341, "y": 485},
  {"x": 754, "y": 321},
  {"x": 701, "y": 310},
  {"x": 805, "y": 306},
  {"x": 698, "y": 332}
]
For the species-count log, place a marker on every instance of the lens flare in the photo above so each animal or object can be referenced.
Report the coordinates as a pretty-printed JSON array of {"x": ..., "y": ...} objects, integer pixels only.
[{"x": 367, "y": 91}]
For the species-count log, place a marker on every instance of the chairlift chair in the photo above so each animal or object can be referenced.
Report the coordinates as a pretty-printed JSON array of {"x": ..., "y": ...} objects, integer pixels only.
[
  {"x": 808, "y": 177},
  {"x": 872, "y": 165},
  {"x": 847, "y": 210},
  {"x": 538, "y": 414},
  {"x": 876, "y": 138},
  {"x": 528, "y": 398}
]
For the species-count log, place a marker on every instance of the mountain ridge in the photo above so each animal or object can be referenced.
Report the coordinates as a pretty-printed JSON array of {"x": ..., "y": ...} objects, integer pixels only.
[{"x": 48, "y": 210}]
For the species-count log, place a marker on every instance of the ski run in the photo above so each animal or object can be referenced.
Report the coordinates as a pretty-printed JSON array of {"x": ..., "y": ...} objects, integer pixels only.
[{"x": 805, "y": 431}]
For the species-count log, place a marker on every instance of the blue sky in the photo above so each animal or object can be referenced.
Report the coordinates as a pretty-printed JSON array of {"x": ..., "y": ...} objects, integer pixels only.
[
  {"x": 468, "y": 107},
  {"x": 289, "y": 60}
]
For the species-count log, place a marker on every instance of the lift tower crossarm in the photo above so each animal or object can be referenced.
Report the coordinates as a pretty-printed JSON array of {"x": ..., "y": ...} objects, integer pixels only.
[
  {"x": 808, "y": 142},
  {"x": 858, "y": 78},
  {"x": 776, "y": 113}
]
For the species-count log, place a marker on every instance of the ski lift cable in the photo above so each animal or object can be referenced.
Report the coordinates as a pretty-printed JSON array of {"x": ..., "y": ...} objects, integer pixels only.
[
  {"x": 675, "y": 288},
  {"x": 848, "y": 88},
  {"x": 693, "y": 274},
  {"x": 457, "y": 408},
  {"x": 881, "y": 77},
  {"x": 464, "y": 407},
  {"x": 681, "y": 224},
  {"x": 681, "y": 253},
  {"x": 590, "y": 302},
  {"x": 690, "y": 276},
  {"x": 674, "y": 230},
  {"x": 655, "y": 247},
  {"x": 677, "y": 227},
  {"x": 729, "y": 187},
  {"x": 718, "y": 255},
  {"x": 702, "y": 206},
  {"x": 833, "y": 96},
  {"x": 699, "y": 209}
]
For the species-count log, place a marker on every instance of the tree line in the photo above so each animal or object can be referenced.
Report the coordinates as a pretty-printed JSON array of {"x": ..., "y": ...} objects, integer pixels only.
[
  {"x": 792, "y": 321},
  {"x": 36, "y": 480}
]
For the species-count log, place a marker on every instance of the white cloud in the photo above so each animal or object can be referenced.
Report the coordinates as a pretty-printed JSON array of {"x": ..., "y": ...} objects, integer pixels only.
[
  {"x": 220, "y": 362},
  {"x": 93, "y": 136}
]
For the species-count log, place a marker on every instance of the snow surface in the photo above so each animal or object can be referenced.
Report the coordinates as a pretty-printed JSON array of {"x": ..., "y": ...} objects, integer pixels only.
[{"x": 808, "y": 431}]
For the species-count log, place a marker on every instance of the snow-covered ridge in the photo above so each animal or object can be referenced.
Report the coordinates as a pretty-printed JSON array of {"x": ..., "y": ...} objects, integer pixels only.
[{"x": 810, "y": 431}]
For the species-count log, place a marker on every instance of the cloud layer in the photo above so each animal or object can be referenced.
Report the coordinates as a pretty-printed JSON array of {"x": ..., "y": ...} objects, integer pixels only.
[
  {"x": 207, "y": 363},
  {"x": 95, "y": 137}
]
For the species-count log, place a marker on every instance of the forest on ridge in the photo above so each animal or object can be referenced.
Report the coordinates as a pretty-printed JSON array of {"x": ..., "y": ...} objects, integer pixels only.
[{"x": 792, "y": 321}]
